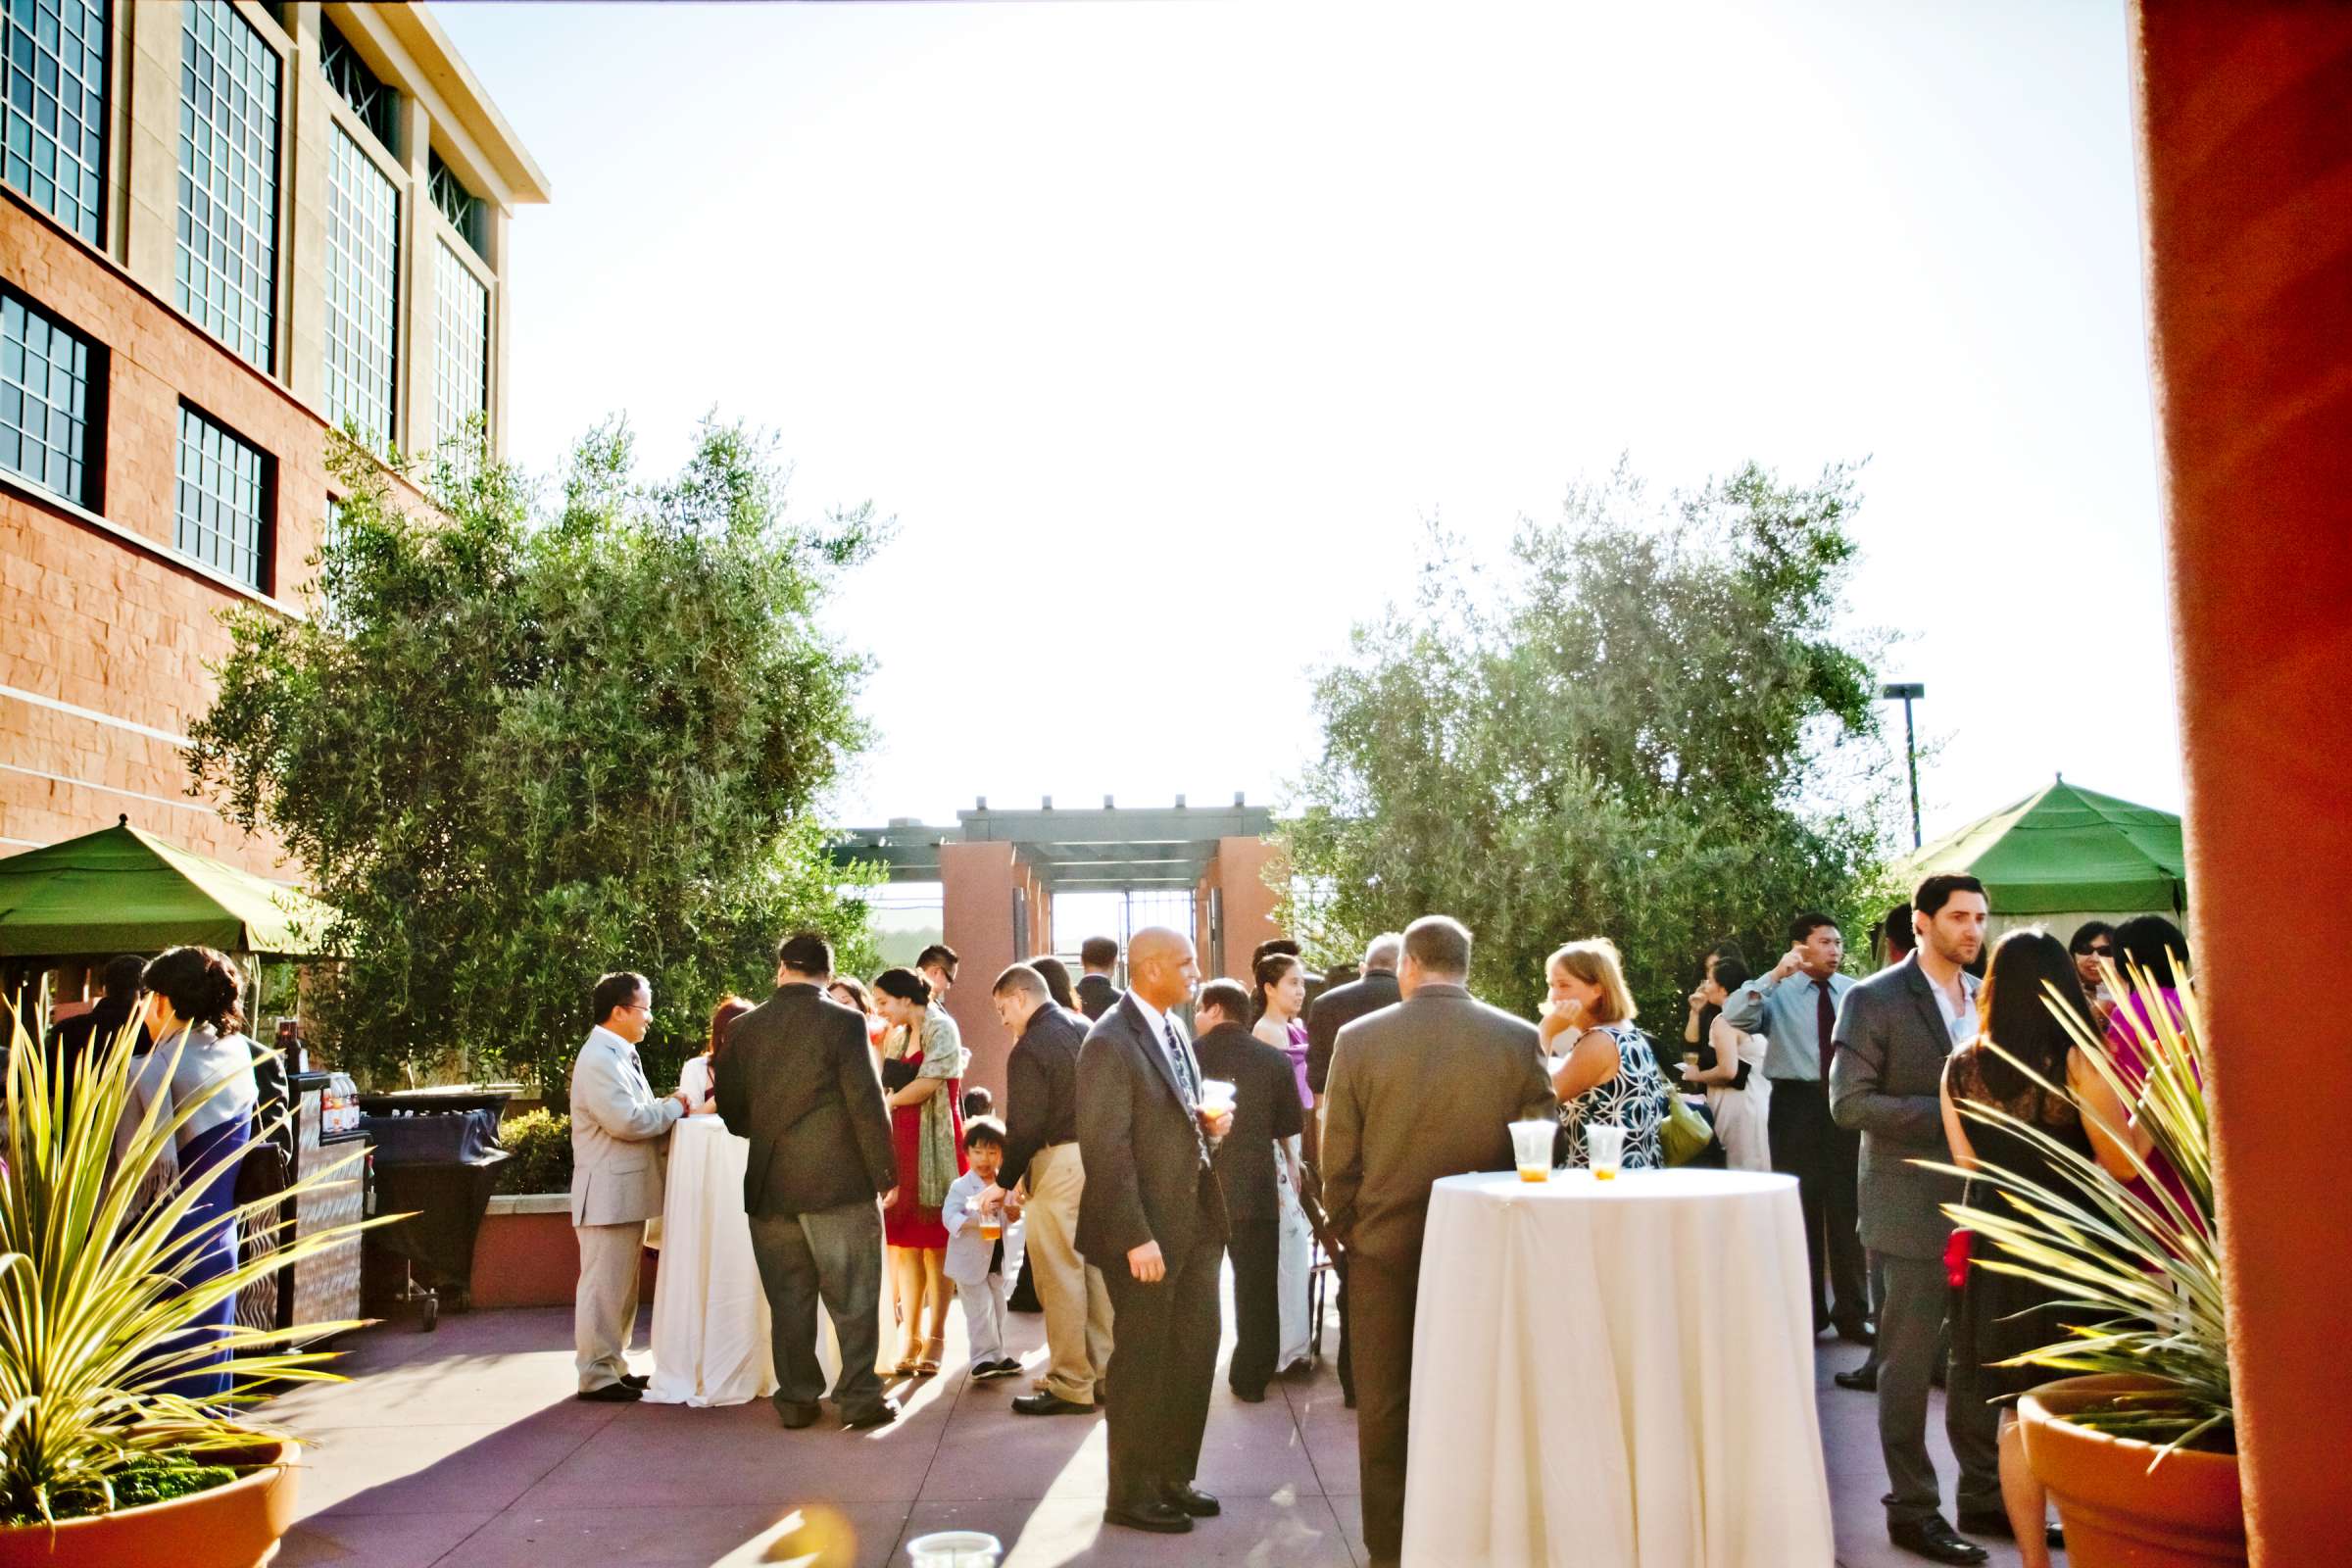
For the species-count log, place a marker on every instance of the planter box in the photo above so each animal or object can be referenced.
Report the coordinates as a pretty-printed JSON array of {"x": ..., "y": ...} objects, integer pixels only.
[
  {"x": 237, "y": 1526},
  {"x": 529, "y": 1256},
  {"x": 2118, "y": 1513}
]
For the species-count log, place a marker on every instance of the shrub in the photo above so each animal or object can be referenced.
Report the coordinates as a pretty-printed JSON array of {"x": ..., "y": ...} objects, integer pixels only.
[{"x": 540, "y": 1141}]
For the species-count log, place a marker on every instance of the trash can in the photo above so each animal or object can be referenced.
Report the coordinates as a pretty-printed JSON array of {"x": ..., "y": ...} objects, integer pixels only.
[{"x": 436, "y": 1156}]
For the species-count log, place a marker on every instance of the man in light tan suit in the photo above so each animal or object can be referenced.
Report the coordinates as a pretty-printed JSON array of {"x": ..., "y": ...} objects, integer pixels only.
[
  {"x": 1423, "y": 1090},
  {"x": 617, "y": 1129}
]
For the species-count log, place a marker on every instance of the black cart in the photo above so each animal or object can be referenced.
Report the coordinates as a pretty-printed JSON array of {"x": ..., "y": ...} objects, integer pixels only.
[{"x": 436, "y": 1156}]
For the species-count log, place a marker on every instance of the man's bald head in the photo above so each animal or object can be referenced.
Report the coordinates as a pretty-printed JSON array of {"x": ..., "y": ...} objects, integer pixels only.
[{"x": 1162, "y": 967}]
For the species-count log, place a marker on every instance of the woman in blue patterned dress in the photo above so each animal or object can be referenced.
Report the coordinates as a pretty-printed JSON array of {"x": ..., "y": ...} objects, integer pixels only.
[{"x": 1602, "y": 1068}]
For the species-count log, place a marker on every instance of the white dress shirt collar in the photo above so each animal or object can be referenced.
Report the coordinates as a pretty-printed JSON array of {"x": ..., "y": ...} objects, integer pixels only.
[{"x": 1154, "y": 1019}]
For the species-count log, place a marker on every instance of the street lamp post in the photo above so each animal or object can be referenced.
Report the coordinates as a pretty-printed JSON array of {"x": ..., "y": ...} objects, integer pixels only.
[{"x": 1909, "y": 692}]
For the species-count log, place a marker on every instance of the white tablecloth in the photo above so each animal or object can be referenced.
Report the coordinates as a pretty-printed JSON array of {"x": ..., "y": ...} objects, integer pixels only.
[
  {"x": 1615, "y": 1373},
  {"x": 710, "y": 1322}
]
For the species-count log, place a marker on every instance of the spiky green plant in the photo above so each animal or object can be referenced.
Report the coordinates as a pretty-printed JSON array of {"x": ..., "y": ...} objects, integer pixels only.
[
  {"x": 2145, "y": 1267},
  {"x": 88, "y": 1298}
]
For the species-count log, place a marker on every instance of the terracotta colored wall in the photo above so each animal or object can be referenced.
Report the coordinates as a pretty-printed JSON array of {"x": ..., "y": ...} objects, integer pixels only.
[
  {"x": 977, "y": 882},
  {"x": 534, "y": 1261},
  {"x": 1240, "y": 871},
  {"x": 2246, "y": 163}
]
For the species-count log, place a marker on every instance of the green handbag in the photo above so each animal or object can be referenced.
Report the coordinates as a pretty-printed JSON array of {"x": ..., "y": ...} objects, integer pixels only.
[{"x": 1683, "y": 1134}]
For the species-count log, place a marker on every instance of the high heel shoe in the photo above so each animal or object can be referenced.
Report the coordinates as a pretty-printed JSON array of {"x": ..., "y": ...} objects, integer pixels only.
[{"x": 928, "y": 1365}]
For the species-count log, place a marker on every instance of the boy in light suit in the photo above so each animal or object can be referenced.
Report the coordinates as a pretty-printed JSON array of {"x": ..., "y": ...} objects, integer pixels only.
[{"x": 971, "y": 1255}]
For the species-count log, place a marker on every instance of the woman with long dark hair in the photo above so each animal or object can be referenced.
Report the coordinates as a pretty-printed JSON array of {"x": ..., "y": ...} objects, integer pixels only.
[
  {"x": 194, "y": 1016},
  {"x": 1730, "y": 1069},
  {"x": 2025, "y": 1062},
  {"x": 926, "y": 1118},
  {"x": 1280, "y": 996},
  {"x": 1058, "y": 980}
]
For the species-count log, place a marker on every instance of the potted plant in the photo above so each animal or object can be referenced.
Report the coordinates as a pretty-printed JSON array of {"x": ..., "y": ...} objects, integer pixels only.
[
  {"x": 2138, "y": 1450},
  {"x": 101, "y": 1460}
]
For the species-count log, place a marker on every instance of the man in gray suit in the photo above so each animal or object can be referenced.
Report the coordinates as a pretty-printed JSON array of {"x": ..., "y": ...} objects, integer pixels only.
[
  {"x": 1423, "y": 1090},
  {"x": 1895, "y": 1033},
  {"x": 617, "y": 1130},
  {"x": 798, "y": 1081}
]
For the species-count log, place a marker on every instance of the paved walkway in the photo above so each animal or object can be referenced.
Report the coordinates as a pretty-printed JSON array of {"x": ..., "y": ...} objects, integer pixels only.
[{"x": 464, "y": 1447}]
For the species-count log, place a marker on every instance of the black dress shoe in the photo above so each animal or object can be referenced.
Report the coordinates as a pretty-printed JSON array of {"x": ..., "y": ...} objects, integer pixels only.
[
  {"x": 1856, "y": 1334},
  {"x": 1993, "y": 1522},
  {"x": 611, "y": 1393},
  {"x": 1251, "y": 1395},
  {"x": 795, "y": 1415},
  {"x": 881, "y": 1415},
  {"x": 1158, "y": 1517},
  {"x": 1863, "y": 1378},
  {"x": 637, "y": 1380},
  {"x": 1931, "y": 1537},
  {"x": 1190, "y": 1500},
  {"x": 1043, "y": 1404}
]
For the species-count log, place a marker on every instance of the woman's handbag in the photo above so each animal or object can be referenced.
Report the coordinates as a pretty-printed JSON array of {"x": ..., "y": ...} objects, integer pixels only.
[{"x": 1683, "y": 1134}]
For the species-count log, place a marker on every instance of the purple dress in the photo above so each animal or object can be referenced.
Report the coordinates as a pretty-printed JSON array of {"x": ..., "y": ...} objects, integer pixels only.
[{"x": 1297, "y": 1052}]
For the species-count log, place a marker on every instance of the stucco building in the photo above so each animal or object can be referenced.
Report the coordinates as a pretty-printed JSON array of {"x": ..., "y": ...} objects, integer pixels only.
[{"x": 224, "y": 226}]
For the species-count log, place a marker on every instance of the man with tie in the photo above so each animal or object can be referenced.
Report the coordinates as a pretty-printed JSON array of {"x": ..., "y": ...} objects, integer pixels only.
[
  {"x": 1796, "y": 1009},
  {"x": 617, "y": 1130},
  {"x": 1153, "y": 1220}
]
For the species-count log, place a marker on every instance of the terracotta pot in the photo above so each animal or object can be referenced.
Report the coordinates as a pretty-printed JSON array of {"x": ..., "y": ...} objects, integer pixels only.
[
  {"x": 2116, "y": 1514},
  {"x": 235, "y": 1526}
]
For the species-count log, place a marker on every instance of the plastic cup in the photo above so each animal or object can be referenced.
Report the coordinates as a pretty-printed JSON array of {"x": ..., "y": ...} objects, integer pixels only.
[
  {"x": 1531, "y": 1145},
  {"x": 992, "y": 1229},
  {"x": 1217, "y": 1096},
  {"x": 1604, "y": 1150},
  {"x": 955, "y": 1548}
]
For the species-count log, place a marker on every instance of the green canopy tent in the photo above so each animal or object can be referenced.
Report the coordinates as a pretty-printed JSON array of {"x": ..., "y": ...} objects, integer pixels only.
[
  {"x": 120, "y": 889},
  {"x": 2064, "y": 855}
]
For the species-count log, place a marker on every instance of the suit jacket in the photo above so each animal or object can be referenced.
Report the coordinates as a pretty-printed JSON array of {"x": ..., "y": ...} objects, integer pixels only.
[
  {"x": 1144, "y": 1177},
  {"x": 1337, "y": 1009},
  {"x": 1424, "y": 1090},
  {"x": 1893, "y": 1044},
  {"x": 95, "y": 1030},
  {"x": 617, "y": 1129},
  {"x": 1097, "y": 994},
  {"x": 1265, "y": 1110},
  {"x": 798, "y": 1080}
]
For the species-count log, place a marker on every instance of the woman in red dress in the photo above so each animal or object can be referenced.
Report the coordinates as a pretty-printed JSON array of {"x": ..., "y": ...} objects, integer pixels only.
[{"x": 923, "y": 1074}]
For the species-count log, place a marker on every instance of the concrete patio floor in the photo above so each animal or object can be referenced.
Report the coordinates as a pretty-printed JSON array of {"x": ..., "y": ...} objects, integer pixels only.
[{"x": 464, "y": 1446}]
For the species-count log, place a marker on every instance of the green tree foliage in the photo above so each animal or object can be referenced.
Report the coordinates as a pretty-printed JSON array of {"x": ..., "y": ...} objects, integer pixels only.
[
  {"x": 1649, "y": 728},
  {"x": 516, "y": 751}
]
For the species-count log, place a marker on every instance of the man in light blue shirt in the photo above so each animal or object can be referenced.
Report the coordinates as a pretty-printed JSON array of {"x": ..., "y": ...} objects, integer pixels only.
[{"x": 1795, "y": 1007}]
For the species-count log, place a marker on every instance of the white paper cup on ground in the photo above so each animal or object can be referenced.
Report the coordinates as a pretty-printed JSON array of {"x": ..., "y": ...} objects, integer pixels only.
[
  {"x": 1604, "y": 1148},
  {"x": 1530, "y": 1145},
  {"x": 955, "y": 1548}
]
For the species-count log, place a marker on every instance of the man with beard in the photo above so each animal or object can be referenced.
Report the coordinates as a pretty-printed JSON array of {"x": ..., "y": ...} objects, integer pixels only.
[{"x": 1895, "y": 1033}]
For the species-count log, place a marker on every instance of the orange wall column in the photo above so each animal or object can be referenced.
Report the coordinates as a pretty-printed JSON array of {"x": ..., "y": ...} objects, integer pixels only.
[
  {"x": 2246, "y": 115},
  {"x": 1240, "y": 871},
  {"x": 976, "y": 887}
]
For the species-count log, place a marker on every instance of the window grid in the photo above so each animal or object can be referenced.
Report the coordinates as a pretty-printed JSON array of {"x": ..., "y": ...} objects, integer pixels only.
[
  {"x": 360, "y": 87},
  {"x": 461, "y": 364},
  {"x": 462, "y": 206},
  {"x": 222, "y": 485},
  {"x": 362, "y": 277},
  {"x": 227, "y": 278},
  {"x": 45, "y": 400},
  {"x": 56, "y": 95}
]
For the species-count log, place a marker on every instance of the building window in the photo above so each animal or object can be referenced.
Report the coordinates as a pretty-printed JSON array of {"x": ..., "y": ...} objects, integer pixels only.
[
  {"x": 44, "y": 402},
  {"x": 461, "y": 359},
  {"x": 223, "y": 494},
  {"x": 56, "y": 118},
  {"x": 375, "y": 103},
  {"x": 462, "y": 206},
  {"x": 363, "y": 280},
  {"x": 227, "y": 278}
]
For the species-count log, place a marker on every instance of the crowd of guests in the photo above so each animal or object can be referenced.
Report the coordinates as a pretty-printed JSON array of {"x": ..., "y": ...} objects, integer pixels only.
[{"x": 1294, "y": 1123}]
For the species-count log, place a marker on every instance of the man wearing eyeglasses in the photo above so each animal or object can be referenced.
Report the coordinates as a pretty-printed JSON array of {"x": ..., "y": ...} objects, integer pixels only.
[{"x": 618, "y": 1125}]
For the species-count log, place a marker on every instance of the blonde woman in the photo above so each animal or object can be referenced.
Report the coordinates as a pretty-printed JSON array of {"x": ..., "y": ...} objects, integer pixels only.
[{"x": 1604, "y": 1070}]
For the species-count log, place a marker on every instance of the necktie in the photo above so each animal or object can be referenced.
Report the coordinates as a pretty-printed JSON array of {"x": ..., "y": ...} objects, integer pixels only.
[
  {"x": 1190, "y": 1090},
  {"x": 1825, "y": 1011}
]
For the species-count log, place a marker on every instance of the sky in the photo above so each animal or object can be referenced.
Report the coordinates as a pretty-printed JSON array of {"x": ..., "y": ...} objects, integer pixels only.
[{"x": 1161, "y": 330}]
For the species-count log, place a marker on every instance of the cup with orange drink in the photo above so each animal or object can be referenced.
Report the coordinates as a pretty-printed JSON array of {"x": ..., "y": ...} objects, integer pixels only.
[
  {"x": 1604, "y": 1150},
  {"x": 1530, "y": 1145}
]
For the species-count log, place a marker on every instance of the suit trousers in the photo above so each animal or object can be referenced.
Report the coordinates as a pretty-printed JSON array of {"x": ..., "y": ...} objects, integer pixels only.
[
  {"x": 1077, "y": 1302},
  {"x": 1971, "y": 1423},
  {"x": 603, "y": 1305},
  {"x": 1910, "y": 1329},
  {"x": 834, "y": 1254},
  {"x": 1257, "y": 1304},
  {"x": 1161, "y": 1368},
  {"x": 1824, "y": 1158},
  {"x": 1382, "y": 1293}
]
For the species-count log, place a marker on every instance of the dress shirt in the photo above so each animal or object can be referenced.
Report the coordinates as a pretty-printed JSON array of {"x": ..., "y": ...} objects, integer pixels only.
[
  {"x": 1161, "y": 1027},
  {"x": 1960, "y": 1020},
  {"x": 1787, "y": 1013},
  {"x": 1041, "y": 1089}
]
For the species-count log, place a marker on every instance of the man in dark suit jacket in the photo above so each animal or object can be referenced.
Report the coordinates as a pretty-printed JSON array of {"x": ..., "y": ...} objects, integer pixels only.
[
  {"x": 1895, "y": 1033},
  {"x": 1424, "y": 1090},
  {"x": 1266, "y": 1111},
  {"x": 798, "y": 1080},
  {"x": 1343, "y": 1004},
  {"x": 95, "y": 1030},
  {"x": 1097, "y": 993},
  {"x": 1153, "y": 1220}
]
